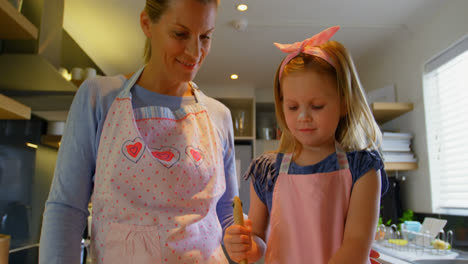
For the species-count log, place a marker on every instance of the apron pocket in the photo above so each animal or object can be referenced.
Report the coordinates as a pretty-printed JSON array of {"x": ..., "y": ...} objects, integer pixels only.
[{"x": 132, "y": 244}]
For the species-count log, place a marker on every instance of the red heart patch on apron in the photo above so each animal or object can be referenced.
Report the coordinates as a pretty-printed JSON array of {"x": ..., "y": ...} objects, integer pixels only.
[
  {"x": 163, "y": 155},
  {"x": 195, "y": 154},
  {"x": 133, "y": 149},
  {"x": 167, "y": 156}
]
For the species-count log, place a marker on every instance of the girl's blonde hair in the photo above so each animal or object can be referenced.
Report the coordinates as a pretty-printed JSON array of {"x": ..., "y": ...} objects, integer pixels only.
[
  {"x": 357, "y": 130},
  {"x": 155, "y": 9}
]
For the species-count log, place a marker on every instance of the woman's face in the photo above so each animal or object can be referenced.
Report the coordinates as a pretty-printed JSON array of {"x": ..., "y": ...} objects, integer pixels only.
[{"x": 181, "y": 38}]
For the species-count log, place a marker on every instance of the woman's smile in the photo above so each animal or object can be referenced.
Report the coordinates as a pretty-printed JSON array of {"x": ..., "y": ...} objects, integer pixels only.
[{"x": 187, "y": 65}]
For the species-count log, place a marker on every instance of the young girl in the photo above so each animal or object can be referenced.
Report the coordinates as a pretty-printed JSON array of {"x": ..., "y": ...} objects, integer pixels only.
[{"x": 315, "y": 200}]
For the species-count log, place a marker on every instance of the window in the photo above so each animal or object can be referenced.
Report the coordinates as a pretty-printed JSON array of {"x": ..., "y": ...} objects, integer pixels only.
[{"x": 446, "y": 106}]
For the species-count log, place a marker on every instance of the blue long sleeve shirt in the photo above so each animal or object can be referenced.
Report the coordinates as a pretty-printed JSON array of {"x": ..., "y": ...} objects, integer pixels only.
[{"x": 66, "y": 209}]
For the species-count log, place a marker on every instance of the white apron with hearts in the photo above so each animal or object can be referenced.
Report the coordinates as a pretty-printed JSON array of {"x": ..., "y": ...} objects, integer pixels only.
[{"x": 159, "y": 176}]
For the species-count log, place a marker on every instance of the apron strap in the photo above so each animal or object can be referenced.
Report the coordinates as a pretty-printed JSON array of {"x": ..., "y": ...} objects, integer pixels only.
[
  {"x": 340, "y": 155},
  {"x": 125, "y": 93},
  {"x": 285, "y": 163},
  {"x": 196, "y": 92}
]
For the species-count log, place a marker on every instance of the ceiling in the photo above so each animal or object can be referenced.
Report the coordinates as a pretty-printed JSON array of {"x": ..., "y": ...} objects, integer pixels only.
[{"x": 110, "y": 33}]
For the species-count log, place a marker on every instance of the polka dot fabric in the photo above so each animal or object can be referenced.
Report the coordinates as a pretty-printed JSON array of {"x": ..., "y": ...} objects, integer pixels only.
[{"x": 158, "y": 180}]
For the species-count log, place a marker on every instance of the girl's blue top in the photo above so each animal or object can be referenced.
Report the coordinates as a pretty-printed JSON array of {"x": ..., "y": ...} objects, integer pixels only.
[{"x": 264, "y": 170}]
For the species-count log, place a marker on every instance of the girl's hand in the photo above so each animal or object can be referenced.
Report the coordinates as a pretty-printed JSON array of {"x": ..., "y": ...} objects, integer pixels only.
[{"x": 238, "y": 241}]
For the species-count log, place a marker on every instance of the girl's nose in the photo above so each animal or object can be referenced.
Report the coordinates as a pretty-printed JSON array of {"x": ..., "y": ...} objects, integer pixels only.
[{"x": 304, "y": 116}]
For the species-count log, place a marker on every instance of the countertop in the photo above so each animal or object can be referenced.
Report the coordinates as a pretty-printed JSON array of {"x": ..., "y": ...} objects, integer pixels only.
[{"x": 394, "y": 256}]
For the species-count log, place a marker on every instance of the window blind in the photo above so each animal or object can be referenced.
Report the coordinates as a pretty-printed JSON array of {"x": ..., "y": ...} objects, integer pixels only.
[{"x": 446, "y": 105}]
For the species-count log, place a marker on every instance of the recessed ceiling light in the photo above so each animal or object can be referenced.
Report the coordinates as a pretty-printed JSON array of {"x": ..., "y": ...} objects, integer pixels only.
[
  {"x": 234, "y": 76},
  {"x": 242, "y": 7}
]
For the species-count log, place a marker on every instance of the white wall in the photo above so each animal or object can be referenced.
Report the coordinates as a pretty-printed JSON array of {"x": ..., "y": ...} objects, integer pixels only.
[
  {"x": 401, "y": 61},
  {"x": 231, "y": 91},
  {"x": 265, "y": 95}
]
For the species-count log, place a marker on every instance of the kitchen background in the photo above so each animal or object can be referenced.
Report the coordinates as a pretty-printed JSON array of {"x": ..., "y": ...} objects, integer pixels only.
[{"x": 390, "y": 41}]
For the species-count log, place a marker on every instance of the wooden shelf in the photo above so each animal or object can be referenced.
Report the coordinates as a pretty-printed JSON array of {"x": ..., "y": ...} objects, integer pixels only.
[
  {"x": 51, "y": 140},
  {"x": 14, "y": 24},
  {"x": 32, "y": 72},
  {"x": 77, "y": 83},
  {"x": 243, "y": 138},
  {"x": 400, "y": 166},
  {"x": 11, "y": 109},
  {"x": 386, "y": 111}
]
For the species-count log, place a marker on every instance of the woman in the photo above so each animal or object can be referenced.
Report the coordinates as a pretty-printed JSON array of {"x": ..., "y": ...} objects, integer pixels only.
[{"x": 154, "y": 151}]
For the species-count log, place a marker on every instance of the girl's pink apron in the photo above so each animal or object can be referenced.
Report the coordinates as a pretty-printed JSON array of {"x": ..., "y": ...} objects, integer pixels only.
[
  {"x": 159, "y": 176},
  {"x": 309, "y": 214}
]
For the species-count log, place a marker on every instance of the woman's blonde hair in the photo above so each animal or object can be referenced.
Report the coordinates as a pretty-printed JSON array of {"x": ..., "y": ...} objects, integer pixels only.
[
  {"x": 155, "y": 9},
  {"x": 357, "y": 130}
]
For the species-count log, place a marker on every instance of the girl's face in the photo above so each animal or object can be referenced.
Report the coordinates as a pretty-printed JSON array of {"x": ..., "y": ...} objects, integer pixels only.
[
  {"x": 312, "y": 108},
  {"x": 181, "y": 38}
]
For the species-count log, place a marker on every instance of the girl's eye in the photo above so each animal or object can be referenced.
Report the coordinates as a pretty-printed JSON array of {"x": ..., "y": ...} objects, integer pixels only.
[
  {"x": 317, "y": 107},
  {"x": 292, "y": 108}
]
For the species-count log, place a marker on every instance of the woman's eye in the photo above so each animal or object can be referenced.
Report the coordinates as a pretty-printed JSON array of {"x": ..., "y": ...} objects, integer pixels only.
[
  {"x": 179, "y": 34},
  {"x": 205, "y": 37}
]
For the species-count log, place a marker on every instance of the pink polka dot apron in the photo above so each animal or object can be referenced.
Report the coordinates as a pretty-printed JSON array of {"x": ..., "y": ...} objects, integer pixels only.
[
  {"x": 308, "y": 214},
  {"x": 159, "y": 176}
]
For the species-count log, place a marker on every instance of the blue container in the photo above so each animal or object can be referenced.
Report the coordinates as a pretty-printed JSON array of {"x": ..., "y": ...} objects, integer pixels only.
[
  {"x": 411, "y": 226},
  {"x": 414, "y": 226}
]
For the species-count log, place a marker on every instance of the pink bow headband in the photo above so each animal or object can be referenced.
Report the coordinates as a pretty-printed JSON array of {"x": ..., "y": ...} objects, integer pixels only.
[{"x": 308, "y": 46}]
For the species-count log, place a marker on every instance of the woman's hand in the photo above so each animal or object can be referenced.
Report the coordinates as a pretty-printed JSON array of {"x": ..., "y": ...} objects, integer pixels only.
[{"x": 238, "y": 241}]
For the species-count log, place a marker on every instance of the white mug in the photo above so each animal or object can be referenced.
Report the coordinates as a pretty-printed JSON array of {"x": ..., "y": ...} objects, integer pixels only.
[
  {"x": 77, "y": 74},
  {"x": 89, "y": 73}
]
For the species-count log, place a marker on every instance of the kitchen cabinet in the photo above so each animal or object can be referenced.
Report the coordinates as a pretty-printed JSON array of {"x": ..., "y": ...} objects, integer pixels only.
[
  {"x": 29, "y": 62},
  {"x": 30, "y": 72},
  {"x": 259, "y": 113},
  {"x": 266, "y": 136},
  {"x": 243, "y": 117},
  {"x": 256, "y": 117},
  {"x": 14, "y": 24},
  {"x": 387, "y": 111},
  {"x": 11, "y": 109}
]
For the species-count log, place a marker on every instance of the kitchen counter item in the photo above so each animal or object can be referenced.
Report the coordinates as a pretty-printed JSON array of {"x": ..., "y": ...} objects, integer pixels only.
[
  {"x": 4, "y": 248},
  {"x": 442, "y": 261},
  {"x": 239, "y": 123},
  {"x": 411, "y": 253},
  {"x": 267, "y": 133}
]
